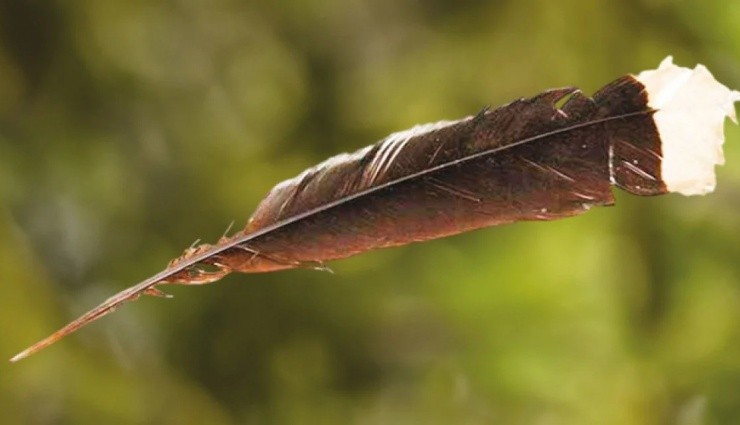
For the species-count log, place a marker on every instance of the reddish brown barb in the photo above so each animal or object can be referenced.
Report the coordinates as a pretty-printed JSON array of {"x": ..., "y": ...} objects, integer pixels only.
[{"x": 527, "y": 160}]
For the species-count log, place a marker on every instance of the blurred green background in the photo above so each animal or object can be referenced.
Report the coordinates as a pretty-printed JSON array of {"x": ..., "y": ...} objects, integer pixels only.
[{"x": 130, "y": 128}]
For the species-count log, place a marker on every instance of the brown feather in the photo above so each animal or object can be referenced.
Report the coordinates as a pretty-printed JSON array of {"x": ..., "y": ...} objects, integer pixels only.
[{"x": 528, "y": 160}]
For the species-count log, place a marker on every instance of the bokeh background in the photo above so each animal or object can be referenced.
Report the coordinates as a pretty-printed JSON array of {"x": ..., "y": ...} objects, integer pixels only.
[{"x": 130, "y": 128}]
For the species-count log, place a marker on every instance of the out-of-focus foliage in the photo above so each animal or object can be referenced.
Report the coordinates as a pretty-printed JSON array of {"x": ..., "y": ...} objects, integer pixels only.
[{"x": 129, "y": 128}]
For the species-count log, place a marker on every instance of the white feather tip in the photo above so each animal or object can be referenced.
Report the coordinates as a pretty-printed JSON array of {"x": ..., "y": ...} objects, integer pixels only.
[{"x": 691, "y": 108}]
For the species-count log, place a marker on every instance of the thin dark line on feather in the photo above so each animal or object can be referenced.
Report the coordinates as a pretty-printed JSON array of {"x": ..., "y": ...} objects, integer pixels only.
[
  {"x": 288, "y": 202},
  {"x": 436, "y": 152},
  {"x": 393, "y": 145},
  {"x": 638, "y": 150},
  {"x": 610, "y": 157},
  {"x": 637, "y": 170},
  {"x": 548, "y": 170},
  {"x": 534, "y": 164},
  {"x": 454, "y": 190},
  {"x": 561, "y": 174},
  {"x": 255, "y": 253},
  {"x": 583, "y": 196},
  {"x": 379, "y": 158}
]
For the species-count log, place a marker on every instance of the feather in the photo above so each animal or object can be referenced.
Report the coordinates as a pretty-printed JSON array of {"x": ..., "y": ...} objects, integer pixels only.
[{"x": 527, "y": 160}]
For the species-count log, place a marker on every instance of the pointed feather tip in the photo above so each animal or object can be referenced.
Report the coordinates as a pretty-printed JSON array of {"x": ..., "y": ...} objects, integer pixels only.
[
  {"x": 20, "y": 356},
  {"x": 691, "y": 109}
]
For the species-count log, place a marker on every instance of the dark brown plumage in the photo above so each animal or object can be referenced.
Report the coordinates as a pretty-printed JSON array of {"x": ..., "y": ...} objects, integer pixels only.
[{"x": 527, "y": 160}]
